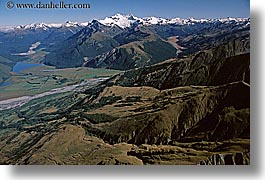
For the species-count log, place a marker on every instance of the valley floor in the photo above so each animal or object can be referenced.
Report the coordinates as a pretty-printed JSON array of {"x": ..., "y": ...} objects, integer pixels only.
[
  {"x": 43, "y": 79},
  {"x": 126, "y": 126}
]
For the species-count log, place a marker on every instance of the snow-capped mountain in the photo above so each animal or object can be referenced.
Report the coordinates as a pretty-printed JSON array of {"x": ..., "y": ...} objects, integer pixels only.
[
  {"x": 112, "y": 43},
  {"x": 123, "y": 21},
  {"x": 47, "y": 26},
  {"x": 126, "y": 21},
  {"x": 6, "y": 28},
  {"x": 44, "y": 26}
]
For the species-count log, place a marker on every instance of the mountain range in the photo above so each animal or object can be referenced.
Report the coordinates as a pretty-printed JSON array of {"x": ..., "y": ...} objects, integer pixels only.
[
  {"x": 125, "y": 42},
  {"x": 182, "y": 96},
  {"x": 54, "y": 37},
  {"x": 127, "y": 21}
]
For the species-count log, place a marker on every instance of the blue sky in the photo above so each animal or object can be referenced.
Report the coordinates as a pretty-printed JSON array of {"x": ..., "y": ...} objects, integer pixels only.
[{"x": 142, "y": 8}]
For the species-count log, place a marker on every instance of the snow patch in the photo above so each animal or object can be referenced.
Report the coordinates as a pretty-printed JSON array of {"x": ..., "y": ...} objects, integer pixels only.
[{"x": 126, "y": 21}]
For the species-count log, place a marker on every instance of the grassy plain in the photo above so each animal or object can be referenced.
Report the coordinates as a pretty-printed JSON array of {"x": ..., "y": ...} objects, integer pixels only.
[{"x": 41, "y": 79}]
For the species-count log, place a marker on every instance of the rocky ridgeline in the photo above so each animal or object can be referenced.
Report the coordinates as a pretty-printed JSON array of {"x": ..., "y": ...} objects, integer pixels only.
[
  {"x": 213, "y": 105},
  {"x": 180, "y": 114},
  {"x": 196, "y": 153},
  {"x": 194, "y": 110},
  {"x": 224, "y": 64},
  {"x": 228, "y": 159},
  {"x": 136, "y": 45}
]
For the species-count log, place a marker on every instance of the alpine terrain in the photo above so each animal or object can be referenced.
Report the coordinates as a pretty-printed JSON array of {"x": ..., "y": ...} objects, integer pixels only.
[{"x": 126, "y": 90}]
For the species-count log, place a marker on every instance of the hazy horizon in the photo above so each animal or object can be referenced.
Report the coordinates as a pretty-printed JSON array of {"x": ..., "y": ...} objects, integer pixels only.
[
  {"x": 104, "y": 8},
  {"x": 52, "y": 22}
]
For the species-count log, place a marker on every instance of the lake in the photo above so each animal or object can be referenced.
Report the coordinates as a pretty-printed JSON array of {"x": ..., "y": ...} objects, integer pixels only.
[
  {"x": 21, "y": 66},
  {"x": 3, "y": 84}
]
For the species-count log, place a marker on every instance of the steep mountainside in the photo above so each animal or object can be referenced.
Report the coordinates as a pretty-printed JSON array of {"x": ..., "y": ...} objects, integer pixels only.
[
  {"x": 223, "y": 64},
  {"x": 103, "y": 41},
  {"x": 90, "y": 44},
  {"x": 134, "y": 54},
  {"x": 183, "y": 97},
  {"x": 5, "y": 68},
  {"x": 19, "y": 39},
  {"x": 151, "y": 119},
  {"x": 109, "y": 47},
  {"x": 91, "y": 41}
]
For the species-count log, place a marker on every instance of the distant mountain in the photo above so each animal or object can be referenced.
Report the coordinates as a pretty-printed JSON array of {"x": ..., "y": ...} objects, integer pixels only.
[
  {"x": 89, "y": 42},
  {"x": 15, "y": 40},
  {"x": 125, "y": 41},
  {"x": 183, "y": 99},
  {"x": 223, "y": 64},
  {"x": 120, "y": 41},
  {"x": 44, "y": 26},
  {"x": 127, "y": 21}
]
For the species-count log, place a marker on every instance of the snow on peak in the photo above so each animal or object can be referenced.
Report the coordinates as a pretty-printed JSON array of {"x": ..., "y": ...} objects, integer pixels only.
[
  {"x": 45, "y": 26},
  {"x": 71, "y": 24},
  {"x": 6, "y": 28},
  {"x": 154, "y": 20},
  {"x": 122, "y": 21},
  {"x": 126, "y": 21}
]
